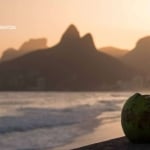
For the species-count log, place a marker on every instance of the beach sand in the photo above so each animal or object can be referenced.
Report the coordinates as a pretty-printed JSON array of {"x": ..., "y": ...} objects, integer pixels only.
[{"x": 102, "y": 133}]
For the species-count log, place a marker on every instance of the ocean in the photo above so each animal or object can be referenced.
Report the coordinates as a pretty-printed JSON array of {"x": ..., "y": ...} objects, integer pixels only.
[{"x": 59, "y": 120}]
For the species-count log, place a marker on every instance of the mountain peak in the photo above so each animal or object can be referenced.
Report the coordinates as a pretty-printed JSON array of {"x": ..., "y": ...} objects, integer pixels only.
[
  {"x": 34, "y": 44},
  {"x": 87, "y": 40},
  {"x": 72, "y": 27},
  {"x": 71, "y": 33},
  {"x": 88, "y": 37},
  {"x": 143, "y": 43}
]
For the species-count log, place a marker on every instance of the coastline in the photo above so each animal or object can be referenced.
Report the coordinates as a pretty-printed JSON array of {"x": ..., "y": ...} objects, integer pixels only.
[{"x": 97, "y": 136}]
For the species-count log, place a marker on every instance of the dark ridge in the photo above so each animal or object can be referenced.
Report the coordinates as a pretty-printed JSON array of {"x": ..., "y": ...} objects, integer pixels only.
[
  {"x": 113, "y": 51},
  {"x": 73, "y": 64},
  {"x": 9, "y": 54},
  {"x": 139, "y": 57},
  {"x": 143, "y": 44},
  {"x": 25, "y": 48},
  {"x": 33, "y": 44}
]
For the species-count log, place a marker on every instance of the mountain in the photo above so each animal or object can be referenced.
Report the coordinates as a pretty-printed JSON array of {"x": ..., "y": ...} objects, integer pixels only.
[
  {"x": 71, "y": 34},
  {"x": 139, "y": 56},
  {"x": 9, "y": 54},
  {"x": 74, "y": 64},
  {"x": 27, "y": 47},
  {"x": 113, "y": 51}
]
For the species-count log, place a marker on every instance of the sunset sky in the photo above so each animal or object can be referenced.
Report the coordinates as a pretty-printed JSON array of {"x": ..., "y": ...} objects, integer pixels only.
[{"x": 118, "y": 23}]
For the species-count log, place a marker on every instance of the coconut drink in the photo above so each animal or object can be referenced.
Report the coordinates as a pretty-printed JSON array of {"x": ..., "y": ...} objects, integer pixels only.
[{"x": 135, "y": 118}]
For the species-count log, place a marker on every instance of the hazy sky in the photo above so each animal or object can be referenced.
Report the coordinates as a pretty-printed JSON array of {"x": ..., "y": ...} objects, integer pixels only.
[{"x": 119, "y": 23}]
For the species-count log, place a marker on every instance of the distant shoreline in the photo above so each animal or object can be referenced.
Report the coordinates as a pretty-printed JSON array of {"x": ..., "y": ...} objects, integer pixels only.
[{"x": 74, "y": 91}]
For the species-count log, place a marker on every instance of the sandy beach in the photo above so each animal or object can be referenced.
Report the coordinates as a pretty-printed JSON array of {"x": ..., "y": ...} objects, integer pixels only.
[{"x": 100, "y": 134}]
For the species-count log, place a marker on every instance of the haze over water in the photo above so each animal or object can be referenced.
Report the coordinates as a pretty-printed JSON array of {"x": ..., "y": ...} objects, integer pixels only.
[{"x": 50, "y": 120}]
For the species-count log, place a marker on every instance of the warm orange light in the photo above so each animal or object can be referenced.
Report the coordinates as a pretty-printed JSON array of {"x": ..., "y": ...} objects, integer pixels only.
[{"x": 118, "y": 23}]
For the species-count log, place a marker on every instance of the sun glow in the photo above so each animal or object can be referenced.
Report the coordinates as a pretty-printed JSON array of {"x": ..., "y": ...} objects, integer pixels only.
[
  {"x": 140, "y": 13},
  {"x": 110, "y": 21}
]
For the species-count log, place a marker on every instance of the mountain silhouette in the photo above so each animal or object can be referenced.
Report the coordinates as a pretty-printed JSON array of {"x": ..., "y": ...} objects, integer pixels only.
[
  {"x": 74, "y": 64},
  {"x": 139, "y": 56},
  {"x": 113, "y": 51},
  {"x": 9, "y": 54},
  {"x": 88, "y": 43},
  {"x": 70, "y": 34},
  {"x": 26, "y": 47}
]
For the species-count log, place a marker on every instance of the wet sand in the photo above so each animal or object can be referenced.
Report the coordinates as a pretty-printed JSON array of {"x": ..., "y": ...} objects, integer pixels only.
[{"x": 100, "y": 134}]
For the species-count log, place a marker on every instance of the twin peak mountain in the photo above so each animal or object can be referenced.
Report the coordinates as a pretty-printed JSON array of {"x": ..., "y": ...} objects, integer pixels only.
[
  {"x": 74, "y": 64},
  {"x": 72, "y": 38}
]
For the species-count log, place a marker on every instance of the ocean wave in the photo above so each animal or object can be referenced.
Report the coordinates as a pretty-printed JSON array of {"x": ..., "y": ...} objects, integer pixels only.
[
  {"x": 34, "y": 126},
  {"x": 33, "y": 118}
]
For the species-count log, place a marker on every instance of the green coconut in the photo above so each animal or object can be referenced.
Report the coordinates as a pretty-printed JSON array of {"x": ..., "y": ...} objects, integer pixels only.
[{"x": 135, "y": 118}]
